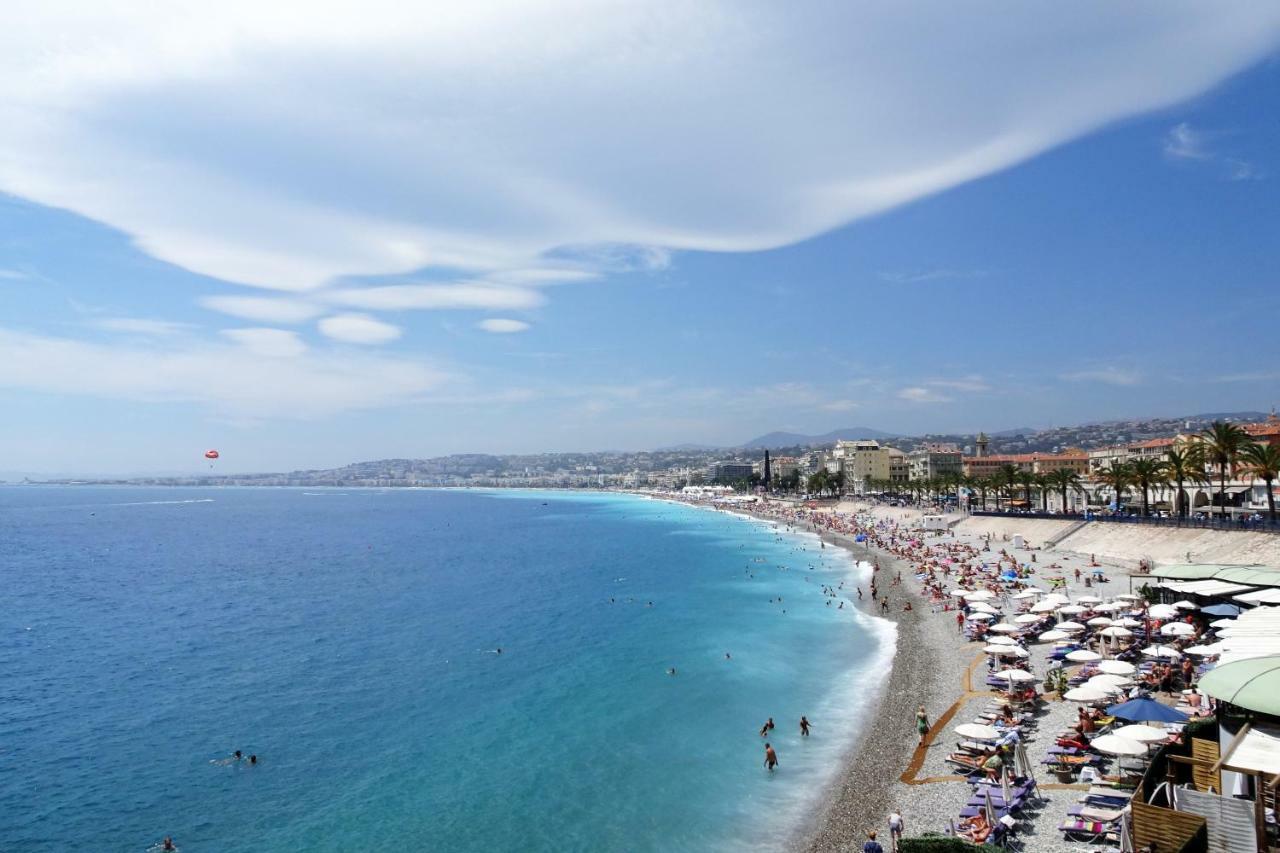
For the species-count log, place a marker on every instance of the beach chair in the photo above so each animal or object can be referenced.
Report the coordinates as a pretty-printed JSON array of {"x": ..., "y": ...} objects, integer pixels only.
[{"x": 1090, "y": 831}]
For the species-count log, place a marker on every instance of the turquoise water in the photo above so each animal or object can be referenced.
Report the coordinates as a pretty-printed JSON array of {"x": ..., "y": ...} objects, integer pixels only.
[{"x": 348, "y": 639}]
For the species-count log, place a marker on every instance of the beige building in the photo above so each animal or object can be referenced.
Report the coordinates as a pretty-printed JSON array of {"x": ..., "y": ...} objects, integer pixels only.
[{"x": 936, "y": 460}]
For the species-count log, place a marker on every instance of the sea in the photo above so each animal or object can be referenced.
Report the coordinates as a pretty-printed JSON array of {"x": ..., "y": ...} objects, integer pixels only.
[{"x": 350, "y": 639}]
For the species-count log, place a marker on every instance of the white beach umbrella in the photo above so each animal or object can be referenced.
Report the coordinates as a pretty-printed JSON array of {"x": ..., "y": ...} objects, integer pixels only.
[
  {"x": 1071, "y": 609},
  {"x": 1004, "y": 628},
  {"x": 1110, "y": 680},
  {"x": 1083, "y": 656},
  {"x": 1001, "y": 641},
  {"x": 1099, "y": 622},
  {"x": 1026, "y": 619},
  {"x": 1186, "y": 605},
  {"x": 978, "y": 595},
  {"x": 1006, "y": 651},
  {"x": 1129, "y": 596},
  {"x": 980, "y": 617},
  {"x": 1057, "y": 598},
  {"x": 1105, "y": 686},
  {"x": 959, "y": 593},
  {"x": 1222, "y": 623},
  {"x": 977, "y": 731},
  {"x": 1162, "y": 611},
  {"x": 1128, "y": 622},
  {"x": 1015, "y": 675},
  {"x": 1162, "y": 652},
  {"x": 1118, "y": 746},
  {"x": 1070, "y": 627},
  {"x": 1088, "y": 599},
  {"x": 1052, "y": 636},
  {"x": 1116, "y": 631},
  {"x": 1085, "y": 694},
  {"x": 1110, "y": 607},
  {"x": 1142, "y": 734},
  {"x": 1117, "y": 667},
  {"x": 982, "y": 607},
  {"x": 1044, "y": 606},
  {"x": 1177, "y": 629},
  {"x": 1027, "y": 595},
  {"x": 1204, "y": 651}
]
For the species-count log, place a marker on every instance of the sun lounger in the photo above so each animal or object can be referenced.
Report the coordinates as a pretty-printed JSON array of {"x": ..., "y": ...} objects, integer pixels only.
[
  {"x": 1088, "y": 812},
  {"x": 1086, "y": 830}
]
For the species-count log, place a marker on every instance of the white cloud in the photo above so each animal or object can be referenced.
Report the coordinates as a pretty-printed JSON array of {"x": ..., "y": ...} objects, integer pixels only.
[
  {"x": 1182, "y": 142},
  {"x": 287, "y": 145},
  {"x": 502, "y": 326},
  {"x": 268, "y": 343},
  {"x": 13, "y": 275},
  {"x": 1105, "y": 375},
  {"x": 251, "y": 374},
  {"x": 358, "y": 329},
  {"x": 972, "y": 382},
  {"x": 919, "y": 394},
  {"x": 264, "y": 309},
  {"x": 931, "y": 275},
  {"x": 405, "y": 297},
  {"x": 839, "y": 406},
  {"x": 140, "y": 326}
]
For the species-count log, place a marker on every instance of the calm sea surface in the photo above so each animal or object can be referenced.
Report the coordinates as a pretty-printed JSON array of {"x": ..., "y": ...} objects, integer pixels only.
[{"x": 348, "y": 638}]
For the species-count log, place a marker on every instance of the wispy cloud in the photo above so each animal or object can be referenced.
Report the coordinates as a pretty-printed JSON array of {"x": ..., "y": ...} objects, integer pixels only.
[
  {"x": 839, "y": 406},
  {"x": 972, "y": 382},
  {"x": 140, "y": 326},
  {"x": 931, "y": 275},
  {"x": 13, "y": 275},
  {"x": 1183, "y": 142},
  {"x": 920, "y": 394},
  {"x": 502, "y": 326},
  {"x": 358, "y": 329},
  {"x": 1105, "y": 375},
  {"x": 1251, "y": 376}
]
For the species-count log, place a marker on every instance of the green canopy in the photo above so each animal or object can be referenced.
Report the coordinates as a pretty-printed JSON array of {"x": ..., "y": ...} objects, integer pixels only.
[
  {"x": 1253, "y": 683},
  {"x": 1247, "y": 575}
]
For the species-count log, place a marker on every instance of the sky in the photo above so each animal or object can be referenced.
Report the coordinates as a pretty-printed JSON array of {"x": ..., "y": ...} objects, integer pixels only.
[{"x": 307, "y": 236}]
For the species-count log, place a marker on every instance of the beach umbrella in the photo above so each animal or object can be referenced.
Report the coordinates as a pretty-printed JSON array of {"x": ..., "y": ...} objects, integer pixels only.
[
  {"x": 1222, "y": 623},
  {"x": 1045, "y": 606},
  {"x": 1128, "y": 622},
  {"x": 978, "y": 595},
  {"x": 1146, "y": 710},
  {"x": 1109, "y": 680},
  {"x": 1162, "y": 611},
  {"x": 1142, "y": 734},
  {"x": 1116, "y": 631},
  {"x": 1015, "y": 675},
  {"x": 1083, "y": 656},
  {"x": 1071, "y": 609},
  {"x": 1057, "y": 598},
  {"x": 1004, "y": 628},
  {"x": 1162, "y": 652},
  {"x": 1118, "y": 746},
  {"x": 1222, "y": 610},
  {"x": 1023, "y": 762},
  {"x": 1088, "y": 599},
  {"x": 1052, "y": 636},
  {"x": 1029, "y": 594},
  {"x": 1006, "y": 651},
  {"x": 1026, "y": 619},
  {"x": 1177, "y": 629},
  {"x": 959, "y": 593},
  {"x": 1099, "y": 622},
  {"x": 1070, "y": 627},
  {"x": 1253, "y": 684},
  {"x": 1116, "y": 667},
  {"x": 1129, "y": 596},
  {"x": 1110, "y": 607},
  {"x": 977, "y": 731},
  {"x": 1203, "y": 651},
  {"x": 988, "y": 811},
  {"x": 1085, "y": 694},
  {"x": 1186, "y": 605},
  {"x": 1002, "y": 641},
  {"x": 979, "y": 617}
]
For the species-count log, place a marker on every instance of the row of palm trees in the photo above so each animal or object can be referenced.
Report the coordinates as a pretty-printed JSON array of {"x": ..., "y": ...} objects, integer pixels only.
[{"x": 1224, "y": 450}]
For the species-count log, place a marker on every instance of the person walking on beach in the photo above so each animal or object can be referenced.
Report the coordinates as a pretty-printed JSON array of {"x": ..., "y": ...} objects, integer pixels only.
[
  {"x": 871, "y": 845},
  {"x": 804, "y": 726},
  {"x": 770, "y": 758},
  {"x": 922, "y": 724},
  {"x": 897, "y": 826}
]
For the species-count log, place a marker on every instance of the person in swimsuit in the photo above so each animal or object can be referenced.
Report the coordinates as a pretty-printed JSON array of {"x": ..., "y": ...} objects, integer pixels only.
[
  {"x": 922, "y": 724},
  {"x": 767, "y": 727},
  {"x": 168, "y": 843},
  {"x": 804, "y": 726},
  {"x": 770, "y": 758}
]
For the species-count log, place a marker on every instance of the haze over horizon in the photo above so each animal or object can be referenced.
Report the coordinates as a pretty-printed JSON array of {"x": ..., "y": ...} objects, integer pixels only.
[{"x": 309, "y": 238}]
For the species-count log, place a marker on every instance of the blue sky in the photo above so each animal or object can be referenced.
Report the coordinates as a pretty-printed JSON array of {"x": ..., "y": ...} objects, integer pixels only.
[{"x": 299, "y": 241}]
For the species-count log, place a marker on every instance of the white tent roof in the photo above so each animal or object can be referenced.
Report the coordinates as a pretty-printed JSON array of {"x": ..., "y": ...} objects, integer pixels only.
[
  {"x": 1259, "y": 751},
  {"x": 1206, "y": 587},
  {"x": 1260, "y": 596}
]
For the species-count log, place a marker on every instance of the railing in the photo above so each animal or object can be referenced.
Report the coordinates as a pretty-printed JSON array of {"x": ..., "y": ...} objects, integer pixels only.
[{"x": 1215, "y": 522}]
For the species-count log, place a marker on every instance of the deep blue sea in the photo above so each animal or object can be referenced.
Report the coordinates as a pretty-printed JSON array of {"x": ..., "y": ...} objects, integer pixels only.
[{"x": 348, "y": 638}]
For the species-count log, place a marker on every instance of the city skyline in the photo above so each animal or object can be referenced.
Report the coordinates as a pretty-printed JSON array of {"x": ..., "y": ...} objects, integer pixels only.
[{"x": 915, "y": 231}]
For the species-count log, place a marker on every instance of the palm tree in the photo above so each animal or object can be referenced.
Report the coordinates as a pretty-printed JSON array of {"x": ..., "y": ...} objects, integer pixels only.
[
  {"x": 1064, "y": 480},
  {"x": 1223, "y": 443},
  {"x": 1007, "y": 475},
  {"x": 1145, "y": 473},
  {"x": 1181, "y": 466},
  {"x": 1118, "y": 476},
  {"x": 1026, "y": 479},
  {"x": 1262, "y": 462},
  {"x": 982, "y": 485}
]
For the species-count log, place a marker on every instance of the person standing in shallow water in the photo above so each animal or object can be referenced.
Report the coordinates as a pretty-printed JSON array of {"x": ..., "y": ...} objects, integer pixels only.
[
  {"x": 804, "y": 726},
  {"x": 770, "y": 758},
  {"x": 767, "y": 727}
]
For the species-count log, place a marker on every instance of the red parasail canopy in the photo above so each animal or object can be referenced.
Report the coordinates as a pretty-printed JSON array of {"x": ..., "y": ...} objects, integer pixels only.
[{"x": 211, "y": 454}]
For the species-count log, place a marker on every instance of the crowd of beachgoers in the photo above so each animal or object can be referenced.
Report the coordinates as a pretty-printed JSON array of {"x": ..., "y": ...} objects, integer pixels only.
[{"x": 1009, "y": 657}]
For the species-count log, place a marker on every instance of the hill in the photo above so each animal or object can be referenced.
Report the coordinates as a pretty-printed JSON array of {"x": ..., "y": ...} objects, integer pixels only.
[{"x": 795, "y": 439}]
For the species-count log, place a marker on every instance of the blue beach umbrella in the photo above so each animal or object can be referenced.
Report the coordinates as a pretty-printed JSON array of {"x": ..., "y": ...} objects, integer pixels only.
[
  {"x": 1221, "y": 610},
  {"x": 1146, "y": 710}
]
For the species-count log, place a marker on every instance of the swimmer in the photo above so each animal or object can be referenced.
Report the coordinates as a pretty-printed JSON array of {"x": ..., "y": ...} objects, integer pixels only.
[
  {"x": 671, "y": 670},
  {"x": 804, "y": 726},
  {"x": 767, "y": 727},
  {"x": 237, "y": 755},
  {"x": 770, "y": 758},
  {"x": 727, "y": 656},
  {"x": 253, "y": 759},
  {"x": 167, "y": 844}
]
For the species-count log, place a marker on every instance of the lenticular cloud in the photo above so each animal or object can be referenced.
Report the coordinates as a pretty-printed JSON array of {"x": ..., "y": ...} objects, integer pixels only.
[{"x": 287, "y": 146}]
